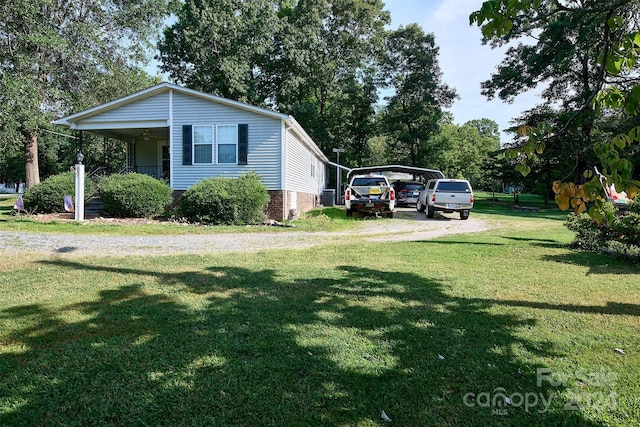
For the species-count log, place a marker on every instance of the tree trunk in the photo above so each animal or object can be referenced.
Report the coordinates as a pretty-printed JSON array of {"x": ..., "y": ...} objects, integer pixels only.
[{"x": 32, "y": 171}]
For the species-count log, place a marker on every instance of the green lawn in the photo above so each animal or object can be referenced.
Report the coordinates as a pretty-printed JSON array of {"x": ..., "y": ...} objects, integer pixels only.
[{"x": 432, "y": 332}]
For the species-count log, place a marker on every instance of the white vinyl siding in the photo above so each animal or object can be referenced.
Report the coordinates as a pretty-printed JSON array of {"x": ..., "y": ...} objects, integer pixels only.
[
  {"x": 150, "y": 109},
  {"x": 302, "y": 165},
  {"x": 264, "y": 145}
]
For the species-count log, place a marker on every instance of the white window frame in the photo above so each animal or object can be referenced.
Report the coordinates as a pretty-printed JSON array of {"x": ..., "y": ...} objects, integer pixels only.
[
  {"x": 218, "y": 143},
  {"x": 212, "y": 144}
]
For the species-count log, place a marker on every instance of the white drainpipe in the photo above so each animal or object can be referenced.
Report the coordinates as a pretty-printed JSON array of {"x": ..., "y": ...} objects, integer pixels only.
[{"x": 284, "y": 172}]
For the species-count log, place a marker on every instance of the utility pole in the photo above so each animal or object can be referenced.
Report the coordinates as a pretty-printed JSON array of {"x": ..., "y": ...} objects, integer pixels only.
[{"x": 338, "y": 173}]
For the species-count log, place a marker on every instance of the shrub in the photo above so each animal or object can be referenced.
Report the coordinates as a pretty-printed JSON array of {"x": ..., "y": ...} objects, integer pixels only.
[
  {"x": 48, "y": 195},
  {"x": 134, "y": 195},
  {"x": 226, "y": 201},
  {"x": 590, "y": 236},
  {"x": 619, "y": 235}
]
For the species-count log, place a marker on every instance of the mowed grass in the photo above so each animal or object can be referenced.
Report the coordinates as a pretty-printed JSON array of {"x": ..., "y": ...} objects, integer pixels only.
[
  {"x": 433, "y": 332},
  {"x": 322, "y": 219}
]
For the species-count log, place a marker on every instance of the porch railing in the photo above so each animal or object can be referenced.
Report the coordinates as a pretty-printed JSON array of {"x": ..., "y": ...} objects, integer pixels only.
[{"x": 153, "y": 170}]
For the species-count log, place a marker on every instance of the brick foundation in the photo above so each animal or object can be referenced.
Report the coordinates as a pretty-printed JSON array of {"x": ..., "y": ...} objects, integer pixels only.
[{"x": 275, "y": 211}]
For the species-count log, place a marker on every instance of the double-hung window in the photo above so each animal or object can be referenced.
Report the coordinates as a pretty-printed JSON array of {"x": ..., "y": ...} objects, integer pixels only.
[
  {"x": 215, "y": 144},
  {"x": 203, "y": 144},
  {"x": 227, "y": 143}
]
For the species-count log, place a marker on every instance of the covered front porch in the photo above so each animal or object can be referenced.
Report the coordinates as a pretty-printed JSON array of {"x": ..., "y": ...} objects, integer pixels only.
[
  {"x": 148, "y": 152},
  {"x": 142, "y": 121},
  {"x": 147, "y": 149}
]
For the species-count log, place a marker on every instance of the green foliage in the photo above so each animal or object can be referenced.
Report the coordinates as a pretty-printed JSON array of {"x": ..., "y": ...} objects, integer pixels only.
[
  {"x": 11, "y": 162},
  {"x": 48, "y": 195},
  {"x": 410, "y": 66},
  {"x": 587, "y": 54},
  {"x": 225, "y": 201},
  {"x": 463, "y": 152},
  {"x": 315, "y": 60},
  {"x": 241, "y": 35},
  {"x": 134, "y": 195},
  {"x": 619, "y": 235},
  {"x": 58, "y": 56}
]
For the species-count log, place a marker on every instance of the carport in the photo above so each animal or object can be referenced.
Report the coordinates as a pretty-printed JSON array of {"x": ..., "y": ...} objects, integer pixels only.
[{"x": 425, "y": 174}]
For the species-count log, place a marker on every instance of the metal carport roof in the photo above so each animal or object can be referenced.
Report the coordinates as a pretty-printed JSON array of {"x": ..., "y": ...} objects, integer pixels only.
[{"x": 426, "y": 173}]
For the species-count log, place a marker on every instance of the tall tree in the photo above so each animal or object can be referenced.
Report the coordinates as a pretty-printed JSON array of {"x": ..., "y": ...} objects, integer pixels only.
[
  {"x": 586, "y": 52},
  {"x": 310, "y": 58},
  {"x": 464, "y": 151},
  {"x": 410, "y": 67},
  {"x": 221, "y": 46},
  {"x": 486, "y": 127},
  {"x": 329, "y": 47},
  {"x": 51, "y": 51}
]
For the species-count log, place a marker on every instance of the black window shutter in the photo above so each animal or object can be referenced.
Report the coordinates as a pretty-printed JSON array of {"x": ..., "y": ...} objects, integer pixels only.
[
  {"x": 187, "y": 147},
  {"x": 243, "y": 144}
]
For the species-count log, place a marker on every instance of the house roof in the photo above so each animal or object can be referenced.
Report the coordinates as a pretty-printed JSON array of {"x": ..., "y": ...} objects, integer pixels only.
[{"x": 73, "y": 121}]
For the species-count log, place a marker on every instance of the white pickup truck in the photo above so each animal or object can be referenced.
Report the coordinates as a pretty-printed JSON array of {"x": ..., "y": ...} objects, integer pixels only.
[
  {"x": 370, "y": 194},
  {"x": 446, "y": 195}
]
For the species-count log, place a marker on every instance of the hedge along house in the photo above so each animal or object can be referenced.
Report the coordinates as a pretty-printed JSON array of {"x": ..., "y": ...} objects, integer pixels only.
[{"x": 185, "y": 136}]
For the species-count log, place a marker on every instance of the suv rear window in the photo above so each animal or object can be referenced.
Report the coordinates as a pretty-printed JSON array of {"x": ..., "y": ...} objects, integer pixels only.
[
  {"x": 410, "y": 187},
  {"x": 453, "y": 187}
]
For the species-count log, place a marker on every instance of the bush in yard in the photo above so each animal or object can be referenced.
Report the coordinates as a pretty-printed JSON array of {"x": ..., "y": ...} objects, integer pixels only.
[
  {"x": 620, "y": 235},
  {"x": 134, "y": 195},
  {"x": 226, "y": 201},
  {"x": 48, "y": 195}
]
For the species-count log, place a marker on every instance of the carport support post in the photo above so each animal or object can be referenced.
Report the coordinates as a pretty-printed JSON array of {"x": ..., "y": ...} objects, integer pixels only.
[
  {"x": 338, "y": 173},
  {"x": 79, "y": 205}
]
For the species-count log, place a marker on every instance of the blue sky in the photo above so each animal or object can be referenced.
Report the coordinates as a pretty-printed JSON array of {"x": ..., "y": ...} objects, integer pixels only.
[{"x": 464, "y": 61}]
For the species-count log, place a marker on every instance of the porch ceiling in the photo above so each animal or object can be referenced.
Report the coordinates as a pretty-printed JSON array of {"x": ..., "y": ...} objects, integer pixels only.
[{"x": 131, "y": 134}]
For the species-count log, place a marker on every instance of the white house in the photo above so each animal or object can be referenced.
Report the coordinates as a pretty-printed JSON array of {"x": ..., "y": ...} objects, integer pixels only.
[{"x": 184, "y": 136}]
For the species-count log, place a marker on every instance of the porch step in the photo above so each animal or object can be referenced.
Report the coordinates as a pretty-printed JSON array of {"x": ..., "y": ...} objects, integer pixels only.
[{"x": 94, "y": 207}]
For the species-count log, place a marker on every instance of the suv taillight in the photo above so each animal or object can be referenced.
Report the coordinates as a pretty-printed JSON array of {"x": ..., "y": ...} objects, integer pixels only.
[
  {"x": 392, "y": 196},
  {"x": 347, "y": 194},
  {"x": 433, "y": 197},
  {"x": 472, "y": 198}
]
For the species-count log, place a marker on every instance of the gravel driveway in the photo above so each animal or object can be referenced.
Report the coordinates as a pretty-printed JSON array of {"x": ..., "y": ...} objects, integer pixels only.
[{"x": 407, "y": 226}]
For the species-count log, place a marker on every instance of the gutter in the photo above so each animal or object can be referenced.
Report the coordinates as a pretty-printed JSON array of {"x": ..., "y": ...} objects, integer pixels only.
[{"x": 344, "y": 168}]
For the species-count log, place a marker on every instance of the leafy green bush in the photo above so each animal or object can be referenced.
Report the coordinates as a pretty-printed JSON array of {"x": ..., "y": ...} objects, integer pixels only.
[
  {"x": 226, "y": 201},
  {"x": 134, "y": 195},
  {"x": 620, "y": 235},
  {"x": 48, "y": 195},
  {"x": 590, "y": 236}
]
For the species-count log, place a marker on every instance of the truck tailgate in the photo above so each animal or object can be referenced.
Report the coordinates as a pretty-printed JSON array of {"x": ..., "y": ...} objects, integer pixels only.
[
  {"x": 461, "y": 199},
  {"x": 371, "y": 192}
]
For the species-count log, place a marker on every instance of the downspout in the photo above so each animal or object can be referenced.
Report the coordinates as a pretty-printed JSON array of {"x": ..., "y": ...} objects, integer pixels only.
[
  {"x": 171, "y": 182},
  {"x": 285, "y": 198}
]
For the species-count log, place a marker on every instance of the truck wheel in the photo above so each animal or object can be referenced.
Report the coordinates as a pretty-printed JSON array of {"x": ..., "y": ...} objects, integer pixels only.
[
  {"x": 419, "y": 206},
  {"x": 430, "y": 211},
  {"x": 464, "y": 214}
]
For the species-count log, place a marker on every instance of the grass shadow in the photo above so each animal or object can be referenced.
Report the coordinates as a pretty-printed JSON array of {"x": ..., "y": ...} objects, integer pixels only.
[
  {"x": 544, "y": 243},
  {"x": 596, "y": 263},
  {"x": 234, "y": 346},
  {"x": 611, "y": 308}
]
